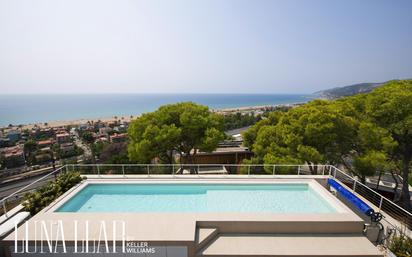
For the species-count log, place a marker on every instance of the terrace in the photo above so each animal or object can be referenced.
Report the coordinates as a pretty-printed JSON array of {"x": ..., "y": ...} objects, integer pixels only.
[{"x": 225, "y": 231}]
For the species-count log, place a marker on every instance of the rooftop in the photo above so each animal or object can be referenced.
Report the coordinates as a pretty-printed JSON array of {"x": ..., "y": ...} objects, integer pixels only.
[
  {"x": 233, "y": 234},
  {"x": 225, "y": 231},
  {"x": 63, "y": 134},
  {"x": 12, "y": 151},
  {"x": 45, "y": 142}
]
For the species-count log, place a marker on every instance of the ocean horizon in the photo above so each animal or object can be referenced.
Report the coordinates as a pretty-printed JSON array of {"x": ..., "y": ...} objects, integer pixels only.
[{"x": 40, "y": 108}]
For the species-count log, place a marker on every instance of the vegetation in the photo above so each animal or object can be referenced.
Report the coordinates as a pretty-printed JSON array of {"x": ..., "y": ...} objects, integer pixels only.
[
  {"x": 62, "y": 154},
  {"x": 11, "y": 162},
  {"x": 400, "y": 245},
  {"x": 97, "y": 147},
  {"x": 29, "y": 147},
  {"x": 2, "y": 162},
  {"x": 88, "y": 138},
  {"x": 36, "y": 201},
  {"x": 115, "y": 153},
  {"x": 239, "y": 120},
  {"x": 175, "y": 128},
  {"x": 365, "y": 133},
  {"x": 390, "y": 107},
  {"x": 348, "y": 90}
]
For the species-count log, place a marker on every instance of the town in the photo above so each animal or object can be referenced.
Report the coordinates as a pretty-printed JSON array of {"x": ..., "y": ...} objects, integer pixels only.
[
  {"x": 39, "y": 147},
  {"x": 42, "y": 147}
]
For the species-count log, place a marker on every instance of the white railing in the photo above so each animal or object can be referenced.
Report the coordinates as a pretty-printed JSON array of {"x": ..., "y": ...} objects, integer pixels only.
[
  {"x": 178, "y": 170},
  {"x": 198, "y": 169},
  {"x": 388, "y": 207},
  {"x": 28, "y": 187}
]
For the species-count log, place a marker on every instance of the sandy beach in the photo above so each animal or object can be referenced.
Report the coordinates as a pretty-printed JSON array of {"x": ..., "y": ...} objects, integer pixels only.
[
  {"x": 223, "y": 111},
  {"x": 63, "y": 123},
  {"x": 252, "y": 108}
]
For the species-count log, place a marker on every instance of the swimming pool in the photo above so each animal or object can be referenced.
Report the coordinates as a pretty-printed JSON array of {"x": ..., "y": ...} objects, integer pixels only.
[{"x": 198, "y": 198}]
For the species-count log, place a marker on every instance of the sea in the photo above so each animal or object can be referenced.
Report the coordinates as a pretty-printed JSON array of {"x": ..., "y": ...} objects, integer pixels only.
[{"x": 29, "y": 109}]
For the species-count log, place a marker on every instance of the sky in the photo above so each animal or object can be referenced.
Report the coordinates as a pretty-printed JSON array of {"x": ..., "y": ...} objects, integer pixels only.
[{"x": 197, "y": 46}]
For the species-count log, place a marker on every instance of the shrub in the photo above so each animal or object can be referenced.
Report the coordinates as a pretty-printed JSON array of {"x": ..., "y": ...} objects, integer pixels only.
[
  {"x": 401, "y": 245},
  {"x": 36, "y": 201}
]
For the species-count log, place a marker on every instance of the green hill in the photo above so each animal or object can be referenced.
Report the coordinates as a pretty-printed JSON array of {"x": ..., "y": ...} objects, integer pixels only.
[{"x": 348, "y": 90}]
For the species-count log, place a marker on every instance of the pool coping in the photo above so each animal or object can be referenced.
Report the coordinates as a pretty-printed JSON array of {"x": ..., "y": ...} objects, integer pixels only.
[{"x": 174, "y": 228}]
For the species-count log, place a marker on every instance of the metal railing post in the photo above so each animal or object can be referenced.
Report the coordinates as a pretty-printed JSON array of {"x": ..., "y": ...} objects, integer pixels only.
[
  {"x": 354, "y": 186},
  {"x": 274, "y": 170},
  {"x": 5, "y": 209},
  {"x": 380, "y": 204},
  {"x": 323, "y": 170},
  {"x": 173, "y": 170},
  {"x": 298, "y": 170},
  {"x": 123, "y": 170},
  {"x": 148, "y": 170},
  {"x": 248, "y": 170},
  {"x": 98, "y": 170}
]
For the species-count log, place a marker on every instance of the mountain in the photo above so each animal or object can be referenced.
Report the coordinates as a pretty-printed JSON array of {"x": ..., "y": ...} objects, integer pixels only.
[{"x": 337, "y": 92}]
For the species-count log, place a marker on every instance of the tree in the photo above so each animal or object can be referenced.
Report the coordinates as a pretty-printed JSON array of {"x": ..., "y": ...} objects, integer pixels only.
[
  {"x": 29, "y": 147},
  {"x": 365, "y": 152},
  {"x": 88, "y": 138},
  {"x": 239, "y": 120},
  {"x": 115, "y": 153},
  {"x": 390, "y": 107},
  {"x": 366, "y": 133},
  {"x": 149, "y": 140},
  {"x": 250, "y": 135},
  {"x": 305, "y": 134},
  {"x": 2, "y": 162},
  {"x": 369, "y": 163},
  {"x": 334, "y": 132},
  {"x": 184, "y": 128}
]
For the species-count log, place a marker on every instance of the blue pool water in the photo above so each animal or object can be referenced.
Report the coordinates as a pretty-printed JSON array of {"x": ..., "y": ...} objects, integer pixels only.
[{"x": 274, "y": 198}]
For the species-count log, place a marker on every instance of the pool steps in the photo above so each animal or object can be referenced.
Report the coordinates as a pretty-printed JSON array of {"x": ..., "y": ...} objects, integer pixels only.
[
  {"x": 286, "y": 226},
  {"x": 288, "y": 245},
  {"x": 283, "y": 238}
]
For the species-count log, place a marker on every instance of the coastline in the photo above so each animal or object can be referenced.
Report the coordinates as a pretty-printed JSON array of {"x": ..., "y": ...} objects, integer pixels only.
[
  {"x": 253, "y": 108},
  {"x": 128, "y": 118}
]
